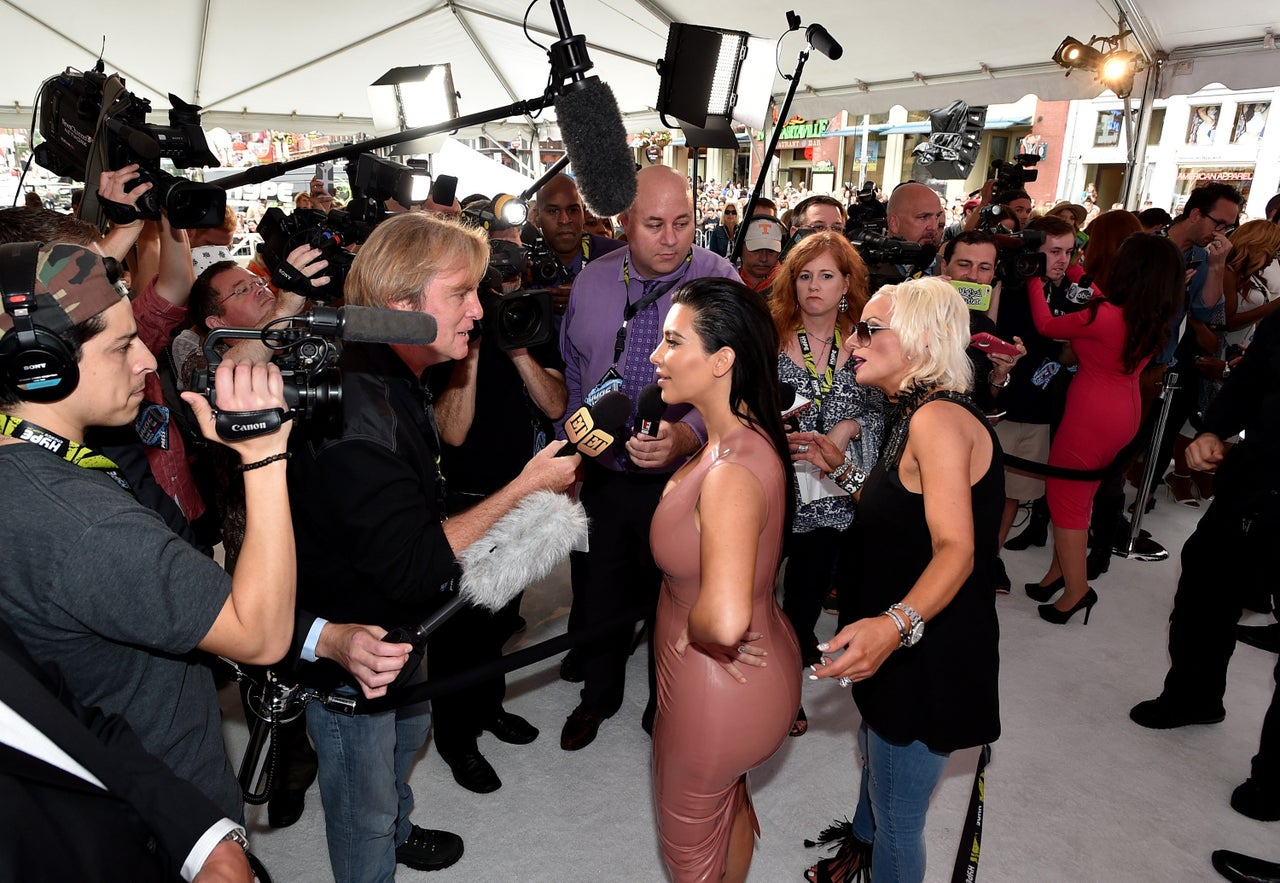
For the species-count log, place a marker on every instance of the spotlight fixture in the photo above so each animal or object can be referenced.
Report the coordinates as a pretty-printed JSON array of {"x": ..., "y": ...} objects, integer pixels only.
[
  {"x": 1114, "y": 68},
  {"x": 381, "y": 179},
  {"x": 511, "y": 209},
  {"x": 1074, "y": 55}
]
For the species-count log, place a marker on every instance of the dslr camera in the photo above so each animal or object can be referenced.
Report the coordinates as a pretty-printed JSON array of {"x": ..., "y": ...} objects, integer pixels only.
[
  {"x": 330, "y": 233},
  {"x": 71, "y": 105}
]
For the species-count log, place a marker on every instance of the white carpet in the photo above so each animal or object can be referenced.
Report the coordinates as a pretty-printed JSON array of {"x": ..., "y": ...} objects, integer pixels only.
[{"x": 1075, "y": 791}]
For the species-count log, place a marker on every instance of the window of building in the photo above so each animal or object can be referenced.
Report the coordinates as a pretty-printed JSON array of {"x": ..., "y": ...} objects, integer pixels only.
[
  {"x": 1203, "y": 123},
  {"x": 1251, "y": 122},
  {"x": 1107, "y": 131}
]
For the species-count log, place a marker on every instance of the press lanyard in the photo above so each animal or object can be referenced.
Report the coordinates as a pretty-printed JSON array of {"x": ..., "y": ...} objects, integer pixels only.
[
  {"x": 632, "y": 309},
  {"x": 821, "y": 386},
  {"x": 73, "y": 452}
]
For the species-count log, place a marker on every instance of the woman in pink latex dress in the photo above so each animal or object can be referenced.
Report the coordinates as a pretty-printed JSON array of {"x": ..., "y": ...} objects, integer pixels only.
[{"x": 727, "y": 659}]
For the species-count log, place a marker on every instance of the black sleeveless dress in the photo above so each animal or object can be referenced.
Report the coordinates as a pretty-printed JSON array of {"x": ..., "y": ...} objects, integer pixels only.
[{"x": 943, "y": 691}]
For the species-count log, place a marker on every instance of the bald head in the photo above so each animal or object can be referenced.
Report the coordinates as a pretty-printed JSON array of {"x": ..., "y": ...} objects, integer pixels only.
[
  {"x": 659, "y": 223},
  {"x": 559, "y": 216},
  {"x": 915, "y": 213}
]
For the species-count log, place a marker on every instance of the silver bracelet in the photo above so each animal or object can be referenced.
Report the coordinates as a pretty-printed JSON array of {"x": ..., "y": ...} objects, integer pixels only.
[
  {"x": 902, "y": 626},
  {"x": 1008, "y": 378},
  {"x": 852, "y": 482}
]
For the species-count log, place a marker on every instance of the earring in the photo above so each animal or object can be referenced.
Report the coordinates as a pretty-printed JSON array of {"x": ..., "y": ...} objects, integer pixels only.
[{"x": 844, "y": 304}]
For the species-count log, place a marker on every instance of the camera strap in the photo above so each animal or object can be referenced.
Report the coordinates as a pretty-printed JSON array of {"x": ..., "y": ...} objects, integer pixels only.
[
  {"x": 234, "y": 426},
  {"x": 73, "y": 452}
]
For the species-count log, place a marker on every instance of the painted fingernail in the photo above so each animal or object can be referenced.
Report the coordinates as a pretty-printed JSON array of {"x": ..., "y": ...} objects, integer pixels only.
[
  {"x": 813, "y": 677},
  {"x": 824, "y": 647}
]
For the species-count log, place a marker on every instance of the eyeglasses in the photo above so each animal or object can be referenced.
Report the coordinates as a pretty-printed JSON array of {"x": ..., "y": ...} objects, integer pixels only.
[
  {"x": 730, "y": 211},
  {"x": 1219, "y": 226},
  {"x": 862, "y": 332},
  {"x": 822, "y": 228},
  {"x": 244, "y": 288}
]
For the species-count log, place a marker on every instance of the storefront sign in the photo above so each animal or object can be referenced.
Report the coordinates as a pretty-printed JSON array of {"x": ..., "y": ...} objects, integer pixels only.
[
  {"x": 1200, "y": 174},
  {"x": 799, "y": 129}
]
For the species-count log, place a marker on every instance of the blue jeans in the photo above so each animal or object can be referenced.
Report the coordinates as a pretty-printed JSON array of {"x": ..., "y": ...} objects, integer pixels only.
[
  {"x": 364, "y": 773},
  {"x": 897, "y": 782}
]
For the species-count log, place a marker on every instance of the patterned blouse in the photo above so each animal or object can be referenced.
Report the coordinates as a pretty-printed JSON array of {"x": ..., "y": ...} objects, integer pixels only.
[{"x": 845, "y": 400}]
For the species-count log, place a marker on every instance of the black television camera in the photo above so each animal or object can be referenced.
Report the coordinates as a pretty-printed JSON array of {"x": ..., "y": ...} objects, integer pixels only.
[
  {"x": 516, "y": 319},
  {"x": 1018, "y": 256},
  {"x": 867, "y": 229},
  {"x": 1014, "y": 175},
  {"x": 71, "y": 105},
  {"x": 306, "y": 351},
  {"x": 330, "y": 233}
]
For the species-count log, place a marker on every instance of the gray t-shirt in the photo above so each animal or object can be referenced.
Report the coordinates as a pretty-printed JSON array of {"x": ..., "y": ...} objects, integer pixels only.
[{"x": 96, "y": 585}]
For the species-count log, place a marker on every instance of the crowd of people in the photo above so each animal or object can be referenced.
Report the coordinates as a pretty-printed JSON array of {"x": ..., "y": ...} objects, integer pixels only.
[{"x": 815, "y": 421}]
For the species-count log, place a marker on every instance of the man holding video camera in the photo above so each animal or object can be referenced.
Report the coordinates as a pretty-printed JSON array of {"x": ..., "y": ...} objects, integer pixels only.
[
  {"x": 373, "y": 541},
  {"x": 94, "y": 583}
]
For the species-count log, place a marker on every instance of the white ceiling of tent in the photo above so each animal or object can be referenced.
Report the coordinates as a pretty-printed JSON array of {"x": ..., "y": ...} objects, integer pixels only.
[{"x": 303, "y": 66}]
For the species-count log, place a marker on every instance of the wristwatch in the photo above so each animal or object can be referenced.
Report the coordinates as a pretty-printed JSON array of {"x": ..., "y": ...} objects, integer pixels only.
[
  {"x": 916, "y": 632},
  {"x": 238, "y": 838}
]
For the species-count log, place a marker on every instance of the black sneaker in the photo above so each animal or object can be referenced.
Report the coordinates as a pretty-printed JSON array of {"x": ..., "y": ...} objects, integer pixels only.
[
  {"x": 1000, "y": 578},
  {"x": 428, "y": 850}
]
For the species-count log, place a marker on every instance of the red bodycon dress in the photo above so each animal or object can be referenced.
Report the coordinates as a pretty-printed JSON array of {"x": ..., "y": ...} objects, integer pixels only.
[
  {"x": 711, "y": 729},
  {"x": 1103, "y": 404}
]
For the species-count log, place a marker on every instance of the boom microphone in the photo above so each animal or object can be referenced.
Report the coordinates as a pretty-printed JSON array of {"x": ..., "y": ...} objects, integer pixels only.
[
  {"x": 649, "y": 410},
  {"x": 593, "y": 428},
  {"x": 590, "y": 125},
  {"x": 818, "y": 37},
  {"x": 371, "y": 324},
  {"x": 520, "y": 549}
]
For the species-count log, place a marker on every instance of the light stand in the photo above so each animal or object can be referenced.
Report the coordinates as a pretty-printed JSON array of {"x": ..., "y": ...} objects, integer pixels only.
[{"x": 1139, "y": 547}]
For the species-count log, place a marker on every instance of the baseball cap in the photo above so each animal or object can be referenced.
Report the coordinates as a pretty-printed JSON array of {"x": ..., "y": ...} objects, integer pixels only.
[
  {"x": 763, "y": 233},
  {"x": 74, "y": 278}
]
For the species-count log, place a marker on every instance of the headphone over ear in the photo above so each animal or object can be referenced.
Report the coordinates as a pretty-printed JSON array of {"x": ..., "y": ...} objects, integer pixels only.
[{"x": 34, "y": 358}]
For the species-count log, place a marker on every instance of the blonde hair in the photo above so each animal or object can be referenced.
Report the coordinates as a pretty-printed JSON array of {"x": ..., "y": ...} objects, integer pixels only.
[
  {"x": 1254, "y": 244},
  {"x": 931, "y": 321},
  {"x": 407, "y": 251}
]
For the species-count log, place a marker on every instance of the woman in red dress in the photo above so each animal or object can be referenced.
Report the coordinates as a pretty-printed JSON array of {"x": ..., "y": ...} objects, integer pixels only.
[{"x": 1114, "y": 338}]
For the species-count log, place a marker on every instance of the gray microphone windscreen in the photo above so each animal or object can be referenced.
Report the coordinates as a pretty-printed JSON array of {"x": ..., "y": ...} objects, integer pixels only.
[
  {"x": 596, "y": 141},
  {"x": 378, "y": 325}
]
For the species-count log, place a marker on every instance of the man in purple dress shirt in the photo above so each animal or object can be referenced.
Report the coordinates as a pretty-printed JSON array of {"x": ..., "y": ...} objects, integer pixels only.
[{"x": 621, "y": 487}]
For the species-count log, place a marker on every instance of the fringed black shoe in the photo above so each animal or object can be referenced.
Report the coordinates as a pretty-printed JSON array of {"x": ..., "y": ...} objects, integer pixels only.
[{"x": 850, "y": 864}]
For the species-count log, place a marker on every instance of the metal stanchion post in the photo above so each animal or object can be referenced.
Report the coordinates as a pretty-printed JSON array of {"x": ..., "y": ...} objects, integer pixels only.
[{"x": 1139, "y": 547}]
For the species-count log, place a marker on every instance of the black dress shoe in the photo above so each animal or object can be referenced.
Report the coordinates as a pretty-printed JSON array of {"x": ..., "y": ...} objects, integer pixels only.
[
  {"x": 1264, "y": 637},
  {"x": 580, "y": 729},
  {"x": 427, "y": 850},
  {"x": 512, "y": 728},
  {"x": 1164, "y": 714},
  {"x": 571, "y": 668},
  {"x": 284, "y": 807},
  {"x": 1254, "y": 801},
  {"x": 1035, "y": 534},
  {"x": 1245, "y": 868},
  {"x": 473, "y": 772}
]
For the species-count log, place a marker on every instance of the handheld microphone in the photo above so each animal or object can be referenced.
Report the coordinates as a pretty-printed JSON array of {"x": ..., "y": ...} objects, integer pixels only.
[
  {"x": 592, "y": 429},
  {"x": 591, "y": 125},
  {"x": 371, "y": 324},
  {"x": 818, "y": 37},
  {"x": 649, "y": 410},
  {"x": 520, "y": 549}
]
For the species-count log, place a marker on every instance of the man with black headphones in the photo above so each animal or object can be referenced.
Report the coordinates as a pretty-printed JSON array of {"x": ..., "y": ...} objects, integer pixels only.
[{"x": 94, "y": 583}]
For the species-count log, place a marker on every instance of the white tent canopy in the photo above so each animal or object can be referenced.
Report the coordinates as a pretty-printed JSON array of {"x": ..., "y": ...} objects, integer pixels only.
[{"x": 302, "y": 67}]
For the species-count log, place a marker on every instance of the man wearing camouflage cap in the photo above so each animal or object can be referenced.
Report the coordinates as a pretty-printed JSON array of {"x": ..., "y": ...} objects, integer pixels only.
[{"x": 94, "y": 583}]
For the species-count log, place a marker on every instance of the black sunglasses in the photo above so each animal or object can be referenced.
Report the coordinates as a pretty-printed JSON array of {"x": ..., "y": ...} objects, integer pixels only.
[{"x": 862, "y": 332}]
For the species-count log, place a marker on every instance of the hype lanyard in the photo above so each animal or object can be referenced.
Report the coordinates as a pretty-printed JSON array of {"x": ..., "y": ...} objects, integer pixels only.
[
  {"x": 631, "y": 309},
  {"x": 73, "y": 452},
  {"x": 821, "y": 386}
]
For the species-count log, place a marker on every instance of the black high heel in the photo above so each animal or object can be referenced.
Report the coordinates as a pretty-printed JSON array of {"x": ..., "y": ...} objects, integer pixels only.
[
  {"x": 1052, "y": 614},
  {"x": 1037, "y": 592},
  {"x": 850, "y": 864}
]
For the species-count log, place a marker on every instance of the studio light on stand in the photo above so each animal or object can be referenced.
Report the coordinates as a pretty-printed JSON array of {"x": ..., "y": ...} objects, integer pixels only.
[
  {"x": 407, "y": 98},
  {"x": 711, "y": 78},
  {"x": 1114, "y": 65}
]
